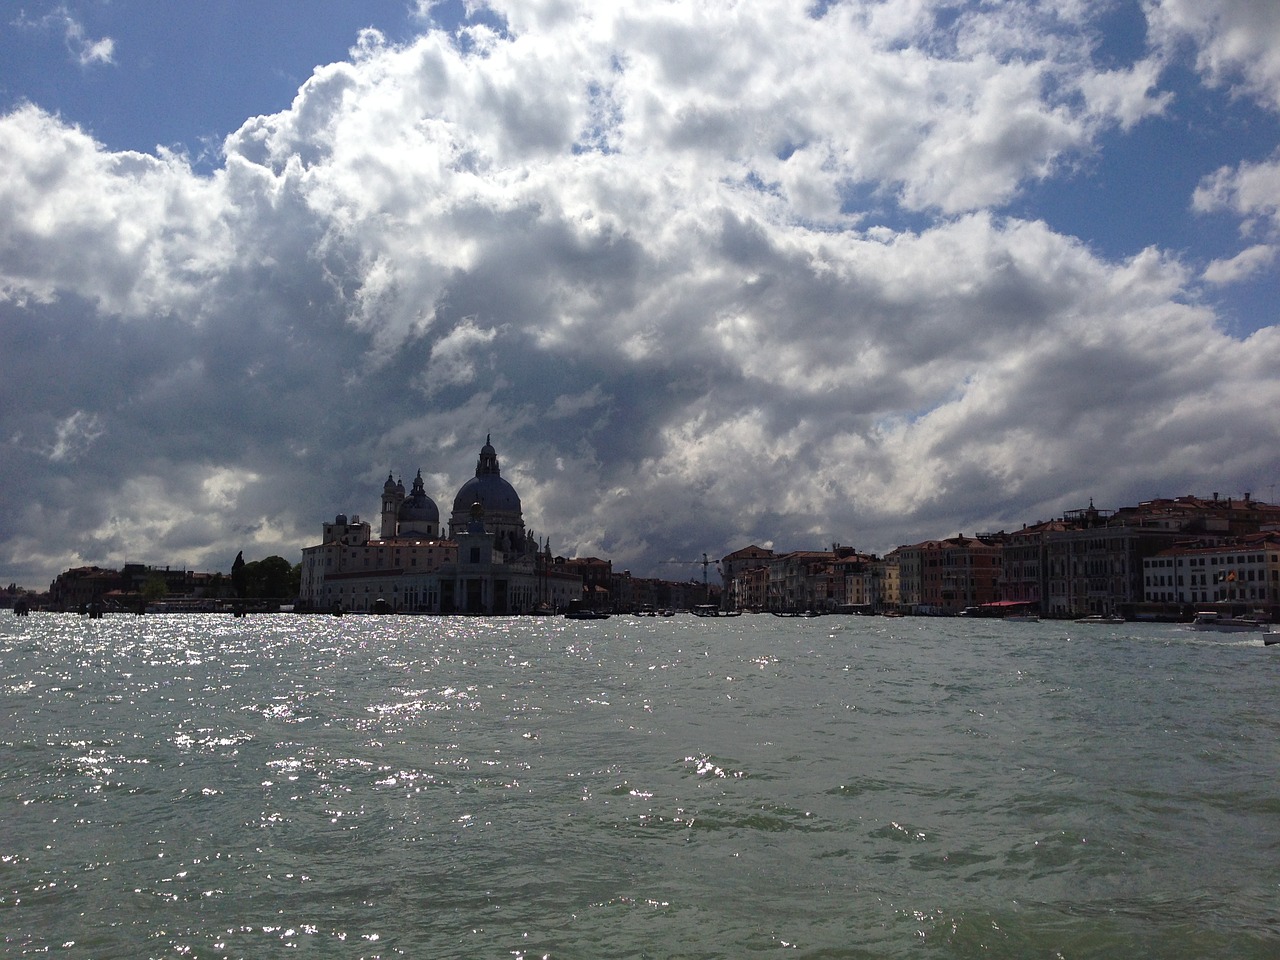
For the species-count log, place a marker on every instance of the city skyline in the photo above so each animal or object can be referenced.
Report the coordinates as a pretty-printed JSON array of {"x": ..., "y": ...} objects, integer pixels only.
[{"x": 711, "y": 274}]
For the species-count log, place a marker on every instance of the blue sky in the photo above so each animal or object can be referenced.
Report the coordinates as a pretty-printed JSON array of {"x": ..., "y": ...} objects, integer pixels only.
[
  {"x": 710, "y": 273},
  {"x": 181, "y": 75}
]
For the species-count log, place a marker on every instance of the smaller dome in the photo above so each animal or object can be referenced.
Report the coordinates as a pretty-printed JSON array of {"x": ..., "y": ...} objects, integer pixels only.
[
  {"x": 389, "y": 486},
  {"x": 418, "y": 507}
]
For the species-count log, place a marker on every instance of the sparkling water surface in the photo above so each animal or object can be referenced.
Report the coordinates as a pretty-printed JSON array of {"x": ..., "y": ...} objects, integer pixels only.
[{"x": 282, "y": 786}]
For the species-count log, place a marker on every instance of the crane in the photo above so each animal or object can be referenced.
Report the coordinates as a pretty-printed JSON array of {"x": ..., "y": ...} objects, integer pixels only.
[{"x": 705, "y": 561}]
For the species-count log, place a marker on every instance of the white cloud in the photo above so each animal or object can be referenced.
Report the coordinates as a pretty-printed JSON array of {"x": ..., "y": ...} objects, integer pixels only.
[
  {"x": 659, "y": 251},
  {"x": 1237, "y": 41},
  {"x": 96, "y": 51},
  {"x": 130, "y": 231},
  {"x": 453, "y": 361},
  {"x": 1245, "y": 264},
  {"x": 1250, "y": 190},
  {"x": 1128, "y": 95},
  {"x": 86, "y": 50},
  {"x": 73, "y": 436}
]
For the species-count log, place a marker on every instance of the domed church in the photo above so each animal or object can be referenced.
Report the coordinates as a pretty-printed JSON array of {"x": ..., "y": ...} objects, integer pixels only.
[
  {"x": 488, "y": 564},
  {"x": 498, "y": 499},
  {"x": 415, "y": 516}
]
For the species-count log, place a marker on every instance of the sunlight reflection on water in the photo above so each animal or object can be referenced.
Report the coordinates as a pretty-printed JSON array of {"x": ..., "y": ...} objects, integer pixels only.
[{"x": 462, "y": 787}]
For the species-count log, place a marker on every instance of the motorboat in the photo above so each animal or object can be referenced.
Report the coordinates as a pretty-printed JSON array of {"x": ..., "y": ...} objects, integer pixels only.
[
  {"x": 1212, "y": 620},
  {"x": 586, "y": 614},
  {"x": 578, "y": 611},
  {"x": 1103, "y": 618}
]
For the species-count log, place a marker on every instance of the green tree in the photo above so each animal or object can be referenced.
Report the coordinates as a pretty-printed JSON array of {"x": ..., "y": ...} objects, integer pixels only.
[
  {"x": 275, "y": 574},
  {"x": 155, "y": 588},
  {"x": 272, "y": 578}
]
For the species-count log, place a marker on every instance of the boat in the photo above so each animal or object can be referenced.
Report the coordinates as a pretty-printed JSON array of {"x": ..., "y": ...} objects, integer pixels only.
[
  {"x": 711, "y": 610},
  {"x": 577, "y": 611},
  {"x": 1101, "y": 618},
  {"x": 1214, "y": 621},
  {"x": 586, "y": 615},
  {"x": 1021, "y": 618}
]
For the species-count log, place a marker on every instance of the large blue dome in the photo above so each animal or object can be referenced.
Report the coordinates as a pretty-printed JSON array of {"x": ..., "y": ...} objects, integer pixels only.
[
  {"x": 487, "y": 488},
  {"x": 491, "y": 492}
]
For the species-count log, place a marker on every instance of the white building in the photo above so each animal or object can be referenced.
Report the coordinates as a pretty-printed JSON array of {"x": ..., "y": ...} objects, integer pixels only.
[
  {"x": 1247, "y": 571},
  {"x": 489, "y": 564}
]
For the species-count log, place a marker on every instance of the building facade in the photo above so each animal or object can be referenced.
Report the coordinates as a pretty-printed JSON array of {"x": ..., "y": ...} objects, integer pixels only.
[
  {"x": 488, "y": 564},
  {"x": 1243, "y": 573}
]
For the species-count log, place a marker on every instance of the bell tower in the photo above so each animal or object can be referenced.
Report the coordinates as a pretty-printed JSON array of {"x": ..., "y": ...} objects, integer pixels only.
[{"x": 392, "y": 497}]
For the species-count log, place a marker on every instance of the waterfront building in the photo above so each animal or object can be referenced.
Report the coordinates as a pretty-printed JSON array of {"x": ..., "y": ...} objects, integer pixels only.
[
  {"x": 349, "y": 570},
  {"x": 801, "y": 580},
  {"x": 890, "y": 584},
  {"x": 489, "y": 563},
  {"x": 124, "y": 588},
  {"x": 960, "y": 572},
  {"x": 907, "y": 560},
  {"x": 858, "y": 580},
  {"x": 1024, "y": 575},
  {"x": 628, "y": 594},
  {"x": 1225, "y": 517},
  {"x": 1098, "y": 570},
  {"x": 745, "y": 578},
  {"x": 597, "y": 581},
  {"x": 943, "y": 577},
  {"x": 81, "y": 586},
  {"x": 1243, "y": 572},
  {"x": 751, "y": 590},
  {"x": 1099, "y": 566}
]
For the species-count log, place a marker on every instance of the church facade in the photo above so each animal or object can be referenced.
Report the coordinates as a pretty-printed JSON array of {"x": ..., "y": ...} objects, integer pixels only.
[{"x": 487, "y": 563}]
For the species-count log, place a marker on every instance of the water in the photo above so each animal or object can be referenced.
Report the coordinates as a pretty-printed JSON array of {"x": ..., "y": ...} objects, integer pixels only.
[{"x": 279, "y": 786}]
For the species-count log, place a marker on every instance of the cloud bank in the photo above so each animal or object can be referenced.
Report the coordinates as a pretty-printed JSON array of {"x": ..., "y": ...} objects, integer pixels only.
[{"x": 709, "y": 273}]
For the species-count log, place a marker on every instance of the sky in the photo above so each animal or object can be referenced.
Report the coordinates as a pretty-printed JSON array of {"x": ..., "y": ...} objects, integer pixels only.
[{"x": 711, "y": 273}]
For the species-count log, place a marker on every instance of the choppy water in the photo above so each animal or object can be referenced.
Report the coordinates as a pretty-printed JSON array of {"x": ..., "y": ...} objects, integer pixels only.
[{"x": 283, "y": 786}]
